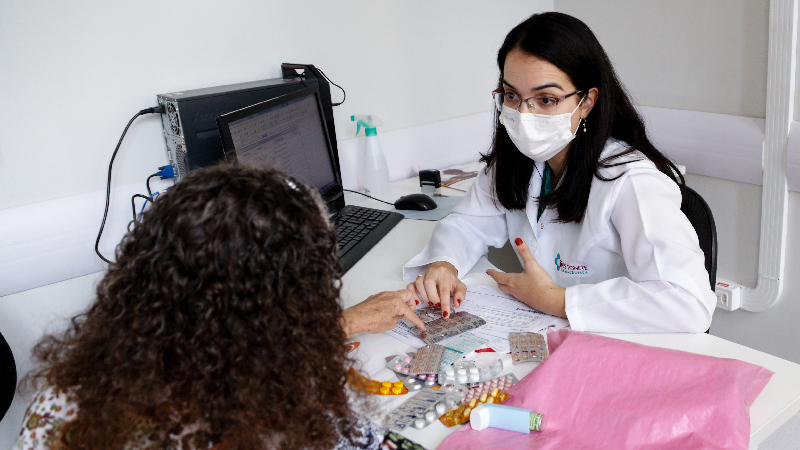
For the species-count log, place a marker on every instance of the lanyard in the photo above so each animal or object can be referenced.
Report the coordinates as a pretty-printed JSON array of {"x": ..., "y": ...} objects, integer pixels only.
[{"x": 547, "y": 187}]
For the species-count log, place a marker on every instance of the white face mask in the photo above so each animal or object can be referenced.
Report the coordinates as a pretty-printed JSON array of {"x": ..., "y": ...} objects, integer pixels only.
[{"x": 538, "y": 136}]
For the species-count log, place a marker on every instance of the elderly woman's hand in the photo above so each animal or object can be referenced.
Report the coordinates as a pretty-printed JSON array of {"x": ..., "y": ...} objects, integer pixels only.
[{"x": 380, "y": 313}]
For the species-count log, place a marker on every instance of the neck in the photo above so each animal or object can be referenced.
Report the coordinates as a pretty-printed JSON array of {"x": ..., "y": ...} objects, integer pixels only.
[{"x": 558, "y": 162}]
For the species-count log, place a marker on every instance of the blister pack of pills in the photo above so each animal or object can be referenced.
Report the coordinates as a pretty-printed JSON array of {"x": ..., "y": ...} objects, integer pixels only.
[
  {"x": 440, "y": 329},
  {"x": 415, "y": 383},
  {"x": 468, "y": 373},
  {"x": 376, "y": 387},
  {"x": 426, "y": 379},
  {"x": 401, "y": 365},
  {"x": 503, "y": 383},
  {"x": 427, "y": 360},
  {"x": 527, "y": 347},
  {"x": 461, "y": 413},
  {"x": 422, "y": 409}
]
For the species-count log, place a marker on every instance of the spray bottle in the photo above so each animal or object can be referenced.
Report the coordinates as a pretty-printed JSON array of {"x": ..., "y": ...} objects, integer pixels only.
[{"x": 376, "y": 171}]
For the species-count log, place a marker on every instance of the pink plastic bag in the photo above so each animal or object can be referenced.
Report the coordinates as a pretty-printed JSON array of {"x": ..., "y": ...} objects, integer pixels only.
[{"x": 601, "y": 393}]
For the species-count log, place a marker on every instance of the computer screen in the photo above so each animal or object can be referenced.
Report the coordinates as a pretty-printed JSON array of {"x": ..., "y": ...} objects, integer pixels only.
[{"x": 286, "y": 133}]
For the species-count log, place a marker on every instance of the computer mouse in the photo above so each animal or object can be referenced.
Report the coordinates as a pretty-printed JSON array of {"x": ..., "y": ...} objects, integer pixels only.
[{"x": 416, "y": 202}]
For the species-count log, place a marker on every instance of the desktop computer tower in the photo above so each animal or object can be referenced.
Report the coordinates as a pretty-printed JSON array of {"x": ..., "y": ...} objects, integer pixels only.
[{"x": 189, "y": 120}]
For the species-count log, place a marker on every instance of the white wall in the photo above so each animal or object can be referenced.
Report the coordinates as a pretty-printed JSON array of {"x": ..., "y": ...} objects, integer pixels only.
[
  {"x": 710, "y": 57},
  {"x": 74, "y": 73}
]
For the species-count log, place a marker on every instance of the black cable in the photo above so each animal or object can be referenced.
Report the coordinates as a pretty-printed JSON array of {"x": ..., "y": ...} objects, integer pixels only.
[
  {"x": 365, "y": 195},
  {"x": 149, "y": 192},
  {"x": 344, "y": 94},
  {"x": 133, "y": 203},
  {"x": 156, "y": 109}
]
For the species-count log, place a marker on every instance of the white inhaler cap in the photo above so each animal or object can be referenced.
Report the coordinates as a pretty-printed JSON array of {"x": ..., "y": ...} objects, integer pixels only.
[{"x": 479, "y": 418}]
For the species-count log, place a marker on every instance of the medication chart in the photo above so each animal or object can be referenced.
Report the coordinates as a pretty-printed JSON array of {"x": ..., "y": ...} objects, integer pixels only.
[{"x": 503, "y": 314}]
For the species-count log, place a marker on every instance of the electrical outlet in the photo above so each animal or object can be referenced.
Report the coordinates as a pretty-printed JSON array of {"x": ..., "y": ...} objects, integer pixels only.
[{"x": 729, "y": 295}]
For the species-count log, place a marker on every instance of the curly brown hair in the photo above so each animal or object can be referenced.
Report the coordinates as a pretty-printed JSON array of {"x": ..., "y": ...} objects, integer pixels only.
[{"x": 222, "y": 310}]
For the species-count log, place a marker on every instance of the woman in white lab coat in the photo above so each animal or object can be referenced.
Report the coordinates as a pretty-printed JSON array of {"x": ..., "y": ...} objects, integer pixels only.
[{"x": 592, "y": 206}]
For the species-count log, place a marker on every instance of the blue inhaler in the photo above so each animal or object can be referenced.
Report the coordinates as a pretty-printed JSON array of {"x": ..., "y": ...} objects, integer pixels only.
[{"x": 506, "y": 418}]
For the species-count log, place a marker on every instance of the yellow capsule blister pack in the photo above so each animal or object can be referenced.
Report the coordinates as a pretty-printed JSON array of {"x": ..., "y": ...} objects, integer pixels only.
[
  {"x": 376, "y": 387},
  {"x": 461, "y": 413}
]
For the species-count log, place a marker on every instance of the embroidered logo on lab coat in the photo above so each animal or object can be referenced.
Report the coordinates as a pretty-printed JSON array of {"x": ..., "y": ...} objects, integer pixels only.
[{"x": 568, "y": 269}]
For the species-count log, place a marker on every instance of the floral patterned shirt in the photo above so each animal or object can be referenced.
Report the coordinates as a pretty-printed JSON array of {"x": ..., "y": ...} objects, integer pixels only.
[
  {"x": 47, "y": 413},
  {"x": 52, "y": 408}
]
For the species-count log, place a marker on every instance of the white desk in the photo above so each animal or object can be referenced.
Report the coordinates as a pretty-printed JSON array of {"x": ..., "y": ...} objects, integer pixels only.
[{"x": 381, "y": 270}]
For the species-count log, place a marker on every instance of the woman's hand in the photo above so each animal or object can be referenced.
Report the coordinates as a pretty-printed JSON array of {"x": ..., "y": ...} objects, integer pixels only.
[
  {"x": 438, "y": 284},
  {"x": 533, "y": 286},
  {"x": 380, "y": 312}
]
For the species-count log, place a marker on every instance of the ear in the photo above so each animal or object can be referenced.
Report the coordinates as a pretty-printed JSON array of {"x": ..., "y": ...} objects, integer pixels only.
[{"x": 589, "y": 101}]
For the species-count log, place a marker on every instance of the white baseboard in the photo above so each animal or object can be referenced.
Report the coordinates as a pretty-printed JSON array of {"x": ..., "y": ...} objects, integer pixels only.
[
  {"x": 51, "y": 241},
  {"x": 47, "y": 242}
]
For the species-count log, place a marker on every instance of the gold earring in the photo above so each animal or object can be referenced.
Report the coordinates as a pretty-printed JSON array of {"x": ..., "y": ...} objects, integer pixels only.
[{"x": 584, "y": 125}]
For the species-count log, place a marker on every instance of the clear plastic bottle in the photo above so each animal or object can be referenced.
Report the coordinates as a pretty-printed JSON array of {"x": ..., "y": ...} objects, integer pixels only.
[{"x": 376, "y": 170}]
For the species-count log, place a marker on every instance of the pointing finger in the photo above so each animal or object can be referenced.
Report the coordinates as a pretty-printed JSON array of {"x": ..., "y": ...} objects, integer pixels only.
[
  {"x": 406, "y": 312},
  {"x": 444, "y": 296}
]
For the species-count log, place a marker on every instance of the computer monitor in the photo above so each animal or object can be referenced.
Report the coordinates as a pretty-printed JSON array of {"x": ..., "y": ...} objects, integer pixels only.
[{"x": 287, "y": 133}]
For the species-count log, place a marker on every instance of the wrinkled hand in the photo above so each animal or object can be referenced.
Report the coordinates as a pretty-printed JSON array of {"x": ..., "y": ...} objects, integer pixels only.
[
  {"x": 380, "y": 312},
  {"x": 534, "y": 286},
  {"x": 437, "y": 285}
]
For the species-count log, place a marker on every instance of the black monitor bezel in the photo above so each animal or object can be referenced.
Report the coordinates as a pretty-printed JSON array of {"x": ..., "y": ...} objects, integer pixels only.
[{"x": 224, "y": 120}]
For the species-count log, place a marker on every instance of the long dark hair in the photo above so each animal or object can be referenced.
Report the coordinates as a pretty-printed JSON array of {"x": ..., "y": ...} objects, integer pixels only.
[
  {"x": 221, "y": 313},
  {"x": 570, "y": 45}
]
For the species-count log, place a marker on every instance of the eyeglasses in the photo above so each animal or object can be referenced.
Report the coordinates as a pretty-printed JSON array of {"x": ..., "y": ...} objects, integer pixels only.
[{"x": 538, "y": 105}]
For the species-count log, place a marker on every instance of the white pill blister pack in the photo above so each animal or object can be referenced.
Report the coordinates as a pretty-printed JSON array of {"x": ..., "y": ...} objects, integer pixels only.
[
  {"x": 422, "y": 409},
  {"x": 468, "y": 373}
]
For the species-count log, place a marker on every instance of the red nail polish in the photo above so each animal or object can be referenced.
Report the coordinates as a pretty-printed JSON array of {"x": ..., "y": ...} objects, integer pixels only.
[
  {"x": 438, "y": 305},
  {"x": 430, "y": 303},
  {"x": 446, "y": 314},
  {"x": 417, "y": 301},
  {"x": 518, "y": 241}
]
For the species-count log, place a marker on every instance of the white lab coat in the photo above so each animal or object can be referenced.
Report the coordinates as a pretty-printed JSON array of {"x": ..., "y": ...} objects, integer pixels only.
[{"x": 633, "y": 264}]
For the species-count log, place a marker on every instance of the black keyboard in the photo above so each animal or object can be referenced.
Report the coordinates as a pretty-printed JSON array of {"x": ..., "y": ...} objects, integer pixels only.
[{"x": 358, "y": 229}]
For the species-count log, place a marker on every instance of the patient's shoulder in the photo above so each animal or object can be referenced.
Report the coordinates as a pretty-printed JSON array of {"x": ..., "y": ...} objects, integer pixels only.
[{"x": 50, "y": 409}]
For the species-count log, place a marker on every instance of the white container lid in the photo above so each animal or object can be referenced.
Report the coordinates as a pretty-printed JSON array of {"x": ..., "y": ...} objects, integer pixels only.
[{"x": 479, "y": 418}]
